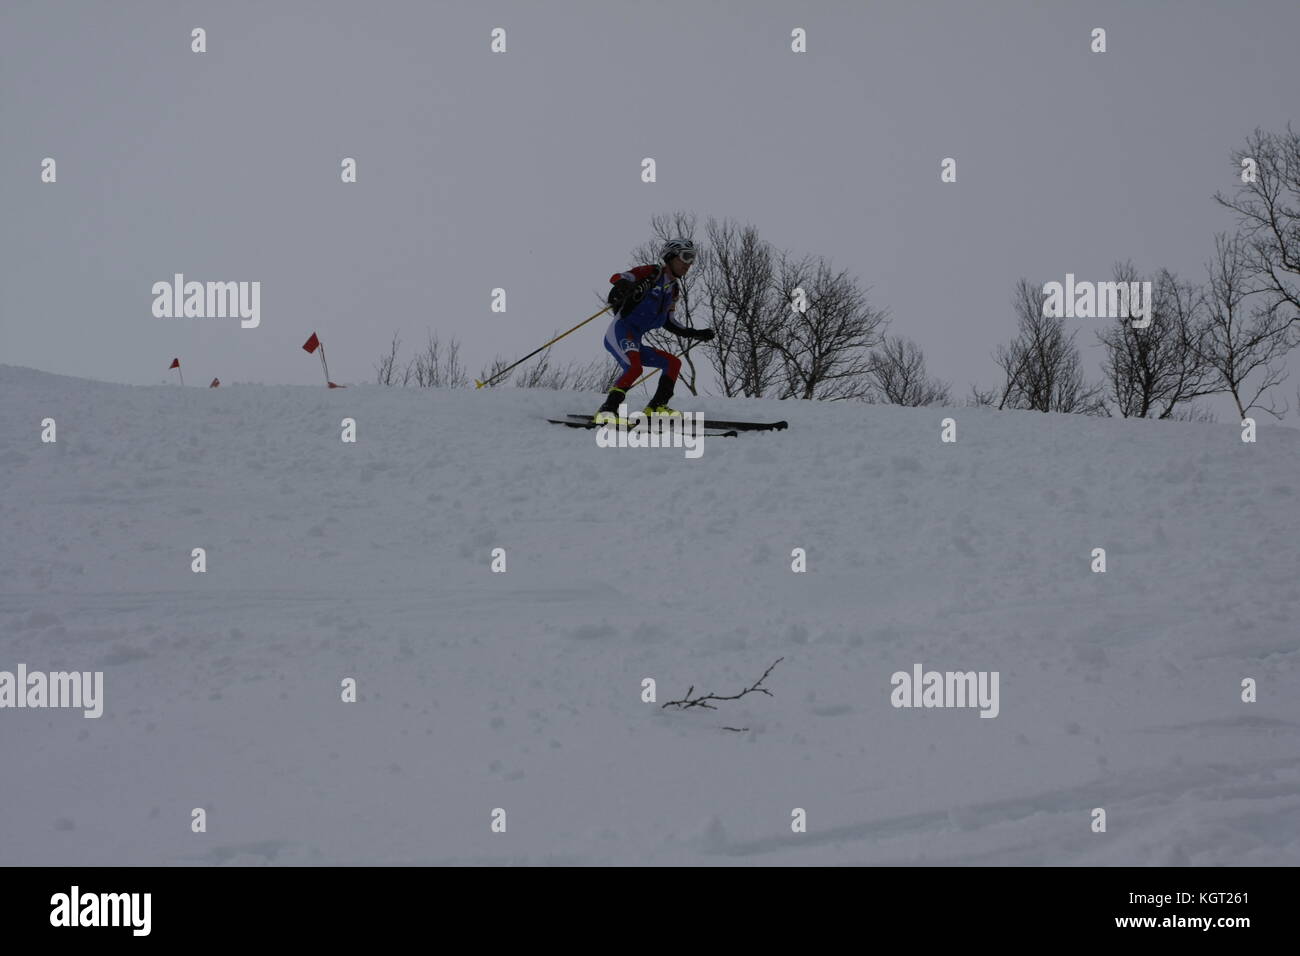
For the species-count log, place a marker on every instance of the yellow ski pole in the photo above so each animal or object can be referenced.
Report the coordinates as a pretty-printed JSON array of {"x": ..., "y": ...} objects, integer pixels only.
[{"x": 478, "y": 384}]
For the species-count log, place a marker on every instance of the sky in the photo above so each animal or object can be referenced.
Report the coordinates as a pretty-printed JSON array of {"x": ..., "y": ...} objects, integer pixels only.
[{"x": 522, "y": 170}]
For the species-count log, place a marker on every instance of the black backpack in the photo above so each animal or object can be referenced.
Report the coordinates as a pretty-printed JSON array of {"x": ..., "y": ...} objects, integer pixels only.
[{"x": 632, "y": 297}]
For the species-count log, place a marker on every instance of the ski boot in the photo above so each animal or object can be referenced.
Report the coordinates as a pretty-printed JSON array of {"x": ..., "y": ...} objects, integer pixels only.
[
  {"x": 659, "y": 404},
  {"x": 608, "y": 413}
]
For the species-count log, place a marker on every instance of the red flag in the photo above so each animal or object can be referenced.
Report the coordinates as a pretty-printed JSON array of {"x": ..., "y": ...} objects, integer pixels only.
[
  {"x": 215, "y": 383},
  {"x": 312, "y": 344},
  {"x": 332, "y": 385},
  {"x": 176, "y": 363}
]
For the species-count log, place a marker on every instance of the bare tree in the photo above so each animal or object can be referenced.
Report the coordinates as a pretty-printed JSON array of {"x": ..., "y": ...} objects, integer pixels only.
[
  {"x": 386, "y": 367},
  {"x": 535, "y": 375},
  {"x": 1014, "y": 359},
  {"x": 454, "y": 369},
  {"x": 488, "y": 374},
  {"x": 542, "y": 373},
  {"x": 439, "y": 366},
  {"x": 1194, "y": 412},
  {"x": 1236, "y": 347},
  {"x": 1268, "y": 212},
  {"x": 598, "y": 375},
  {"x": 1150, "y": 371},
  {"x": 421, "y": 365},
  {"x": 739, "y": 294},
  {"x": 897, "y": 372},
  {"x": 1041, "y": 367},
  {"x": 982, "y": 398},
  {"x": 824, "y": 349}
]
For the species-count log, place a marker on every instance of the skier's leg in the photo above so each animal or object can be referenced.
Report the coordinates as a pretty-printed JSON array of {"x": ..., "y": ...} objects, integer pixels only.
[
  {"x": 671, "y": 366},
  {"x": 625, "y": 345}
]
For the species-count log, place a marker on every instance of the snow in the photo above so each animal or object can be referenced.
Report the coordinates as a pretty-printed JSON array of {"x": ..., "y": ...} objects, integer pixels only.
[{"x": 522, "y": 690}]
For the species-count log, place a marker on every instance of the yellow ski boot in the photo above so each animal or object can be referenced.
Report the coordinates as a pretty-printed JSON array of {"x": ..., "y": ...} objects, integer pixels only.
[{"x": 608, "y": 413}]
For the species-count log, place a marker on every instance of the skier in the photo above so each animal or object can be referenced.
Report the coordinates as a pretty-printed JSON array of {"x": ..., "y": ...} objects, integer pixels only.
[{"x": 643, "y": 299}]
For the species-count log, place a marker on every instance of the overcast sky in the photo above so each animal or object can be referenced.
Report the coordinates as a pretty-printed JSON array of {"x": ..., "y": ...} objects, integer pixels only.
[{"x": 522, "y": 170}]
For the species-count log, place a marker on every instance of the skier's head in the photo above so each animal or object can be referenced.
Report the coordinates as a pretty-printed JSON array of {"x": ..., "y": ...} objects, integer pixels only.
[{"x": 678, "y": 255}]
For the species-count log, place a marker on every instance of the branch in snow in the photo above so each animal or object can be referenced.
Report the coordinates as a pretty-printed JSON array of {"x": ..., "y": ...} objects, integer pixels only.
[{"x": 703, "y": 701}]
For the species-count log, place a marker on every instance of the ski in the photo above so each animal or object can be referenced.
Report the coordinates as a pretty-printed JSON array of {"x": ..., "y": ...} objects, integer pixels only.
[
  {"x": 731, "y": 433},
  {"x": 730, "y": 426}
]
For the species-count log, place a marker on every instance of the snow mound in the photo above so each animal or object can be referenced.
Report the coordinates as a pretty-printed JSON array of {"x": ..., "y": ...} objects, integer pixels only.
[{"x": 523, "y": 690}]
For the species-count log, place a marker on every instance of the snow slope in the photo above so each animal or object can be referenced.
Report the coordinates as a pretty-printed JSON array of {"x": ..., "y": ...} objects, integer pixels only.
[{"x": 522, "y": 690}]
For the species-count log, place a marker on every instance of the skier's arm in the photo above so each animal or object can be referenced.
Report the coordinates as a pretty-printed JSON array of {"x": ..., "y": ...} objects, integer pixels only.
[{"x": 702, "y": 335}]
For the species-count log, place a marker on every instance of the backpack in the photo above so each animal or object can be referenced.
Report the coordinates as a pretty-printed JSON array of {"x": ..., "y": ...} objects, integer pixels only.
[{"x": 638, "y": 292}]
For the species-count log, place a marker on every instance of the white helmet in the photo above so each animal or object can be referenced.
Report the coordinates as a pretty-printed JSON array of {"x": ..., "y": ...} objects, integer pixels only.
[{"x": 684, "y": 248}]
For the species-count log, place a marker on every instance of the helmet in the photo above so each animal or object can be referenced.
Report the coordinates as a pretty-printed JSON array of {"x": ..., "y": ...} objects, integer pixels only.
[{"x": 678, "y": 247}]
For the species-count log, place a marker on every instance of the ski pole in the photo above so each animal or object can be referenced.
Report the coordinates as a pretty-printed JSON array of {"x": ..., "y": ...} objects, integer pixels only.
[{"x": 478, "y": 384}]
